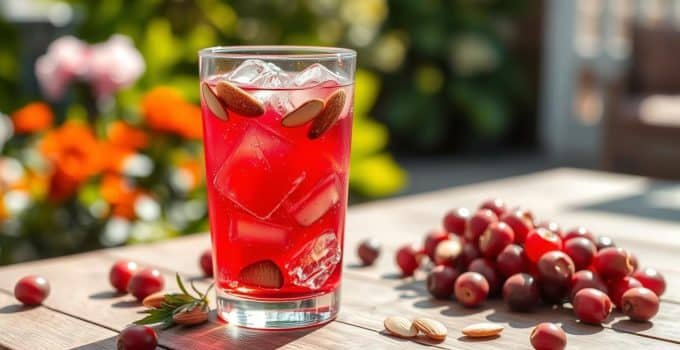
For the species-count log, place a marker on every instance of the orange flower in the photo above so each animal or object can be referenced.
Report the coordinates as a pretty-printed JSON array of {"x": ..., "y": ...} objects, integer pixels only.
[
  {"x": 32, "y": 117},
  {"x": 113, "y": 156},
  {"x": 120, "y": 194},
  {"x": 124, "y": 135},
  {"x": 165, "y": 110}
]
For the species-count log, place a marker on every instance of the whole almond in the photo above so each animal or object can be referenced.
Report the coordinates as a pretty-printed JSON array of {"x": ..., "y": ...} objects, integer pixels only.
[
  {"x": 304, "y": 113},
  {"x": 214, "y": 104},
  {"x": 191, "y": 317},
  {"x": 262, "y": 274},
  {"x": 400, "y": 326},
  {"x": 479, "y": 330},
  {"x": 330, "y": 114},
  {"x": 431, "y": 328},
  {"x": 238, "y": 100},
  {"x": 154, "y": 300}
]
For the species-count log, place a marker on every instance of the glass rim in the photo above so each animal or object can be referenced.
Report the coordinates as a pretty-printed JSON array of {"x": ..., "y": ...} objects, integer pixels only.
[{"x": 278, "y": 52}]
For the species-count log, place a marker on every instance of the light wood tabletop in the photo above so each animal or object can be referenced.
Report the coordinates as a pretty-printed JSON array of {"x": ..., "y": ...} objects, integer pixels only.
[{"x": 639, "y": 214}]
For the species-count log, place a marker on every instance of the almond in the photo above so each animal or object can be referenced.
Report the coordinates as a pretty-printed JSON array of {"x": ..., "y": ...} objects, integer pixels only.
[
  {"x": 214, "y": 104},
  {"x": 431, "y": 328},
  {"x": 191, "y": 317},
  {"x": 262, "y": 274},
  {"x": 238, "y": 100},
  {"x": 304, "y": 113},
  {"x": 479, "y": 330},
  {"x": 154, "y": 300},
  {"x": 334, "y": 105},
  {"x": 400, "y": 326}
]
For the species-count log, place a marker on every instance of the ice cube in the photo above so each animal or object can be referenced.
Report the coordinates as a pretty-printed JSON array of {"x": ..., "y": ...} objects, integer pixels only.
[
  {"x": 315, "y": 262},
  {"x": 256, "y": 174},
  {"x": 316, "y": 74},
  {"x": 257, "y": 73},
  {"x": 316, "y": 202},
  {"x": 250, "y": 230}
]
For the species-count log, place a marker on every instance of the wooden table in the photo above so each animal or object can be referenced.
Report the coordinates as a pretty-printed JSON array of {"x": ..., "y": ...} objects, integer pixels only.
[{"x": 82, "y": 312}]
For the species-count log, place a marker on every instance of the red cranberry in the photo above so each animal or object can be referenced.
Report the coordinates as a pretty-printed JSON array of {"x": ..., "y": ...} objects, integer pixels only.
[
  {"x": 120, "y": 274},
  {"x": 145, "y": 282},
  {"x": 613, "y": 263},
  {"x": 578, "y": 232},
  {"x": 511, "y": 261},
  {"x": 137, "y": 338},
  {"x": 539, "y": 242},
  {"x": 495, "y": 238},
  {"x": 471, "y": 289},
  {"x": 432, "y": 239},
  {"x": 32, "y": 290},
  {"x": 469, "y": 254},
  {"x": 520, "y": 292},
  {"x": 478, "y": 224},
  {"x": 521, "y": 222},
  {"x": 604, "y": 242},
  {"x": 547, "y": 336},
  {"x": 440, "y": 281},
  {"x": 455, "y": 221},
  {"x": 640, "y": 304},
  {"x": 368, "y": 251},
  {"x": 552, "y": 227},
  {"x": 496, "y": 205},
  {"x": 556, "y": 267},
  {"x": 586, "y": 279},
  {"x": 487, "y": 269},
  {"x": 206, "y": 263},
  {"x": 592, "y": 306},
  {"x": 651, "y": 279},
  {"x": 581, "y": 250},
  {"x": 618, "y": 287},
  {"x": 448, "y": 252},
  {"x": 407, "y": 260}
]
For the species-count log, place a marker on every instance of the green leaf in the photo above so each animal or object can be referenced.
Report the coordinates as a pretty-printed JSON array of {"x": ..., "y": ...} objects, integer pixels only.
[
  {"x": 180, "y": 284},
  {"x": 155, "y": 316}
]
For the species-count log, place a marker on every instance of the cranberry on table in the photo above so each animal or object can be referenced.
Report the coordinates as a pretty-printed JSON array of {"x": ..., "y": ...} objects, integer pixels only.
[
  {"x": 471, "y": 289},
  {"x": 578, "y": 232},
  {"x": 407, "y": 260},
  {"x": 618, "y": 287},
  {"x": 592, "y": 305},
  {"x": 548, "y": 336},
  {"x": 487, "y": 268},
  {"x": 432, "y": 239},
  {"x": 640, "y": 304},
  {"x": 468, "y": 255},
  {"x": 32, "y": 290},
  {"x": 368, "y": 251},
  {"x": 448, "y": 252},
  {"x": 511, "y": 260},
  {"x": 495, "y": 238},
  {"x": 552, "y": 227},
  {"x": 541, "y": 241},
  {"x": 581, "y": 250},
  {"x": 145, "y": 282},
  {"x": 137, "y": 338},
  {"x": 587, "y": 279},
  {"x": 556, "y": 267},
  {"x": 120, "y": 274},
  {"x": 520, "y": 292},
  {"x": 604, "y": 242},
  {"x": 206, "y": 263},
  {"x": 478, "y": 224},
  {"x": 455, "y": 221},
  {"x": 440, "y": 281},
  {"x": 521, "y": 223},
  {"x": 496, "y": 205},
  {"x": 613, "y": 263},
  {"x": 651, "y": 279}
]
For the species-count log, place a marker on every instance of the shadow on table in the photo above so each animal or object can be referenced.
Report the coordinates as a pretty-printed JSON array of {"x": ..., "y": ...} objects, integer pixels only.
[{"x": 15, "y": 308}]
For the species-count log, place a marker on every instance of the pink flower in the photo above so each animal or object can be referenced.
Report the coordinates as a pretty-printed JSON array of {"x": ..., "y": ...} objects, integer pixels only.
[{"x": 65, "y": 60}]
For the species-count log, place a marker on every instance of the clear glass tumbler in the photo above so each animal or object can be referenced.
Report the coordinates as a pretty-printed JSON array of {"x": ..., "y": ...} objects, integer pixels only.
[{"x": 277, "y": 122}]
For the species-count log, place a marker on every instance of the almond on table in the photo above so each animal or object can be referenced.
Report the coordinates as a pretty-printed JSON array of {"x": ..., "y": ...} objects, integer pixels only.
[
  {"x": 431, "y": 328},
  {"x": 400, "y": 327},
  {"x": 480, "y": 330}
]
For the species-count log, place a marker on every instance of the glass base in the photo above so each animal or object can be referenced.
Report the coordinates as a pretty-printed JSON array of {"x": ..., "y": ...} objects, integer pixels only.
[{"x": 279, "y": 314}]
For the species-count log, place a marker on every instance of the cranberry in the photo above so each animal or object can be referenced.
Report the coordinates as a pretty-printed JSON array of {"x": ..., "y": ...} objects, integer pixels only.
[
  {"x": 511, "y": 261},
  {"x": 618, "y": 287},
  {"x": 496, "y": 237},
  {"x": 407, "y": 260},
  {"x": 556, "y": 268},
  {"x": 137, "y": 338},
  {"x": 32, "y": 290},
  {"x": 552, "y": 293},
  {"x": 487, "y": 269},
  {"x": 591, "y": 305},
  {"x": 520, "y": 221},
  {"x": 448, "y": 252},
  {"x": 651, "y": 279},
  {"x": 432, "y": 239},
  {"x": 604, "y": 242},
  {"x": 145, "y": 282},
  {"x": 586, "y": 279},
  {"x": 478, "y": 224},
  {"x": 613, "y": 263},
  {"x": 640, "y": 304},
  {"x": 496, "y": 205},
  {"x": 552, "y": 227},
  {"x": 520, "y": 292},
  {"x": 206, "y": 263},
  {"x": 581, "y": 250},
  {"x": 368, "y": 251},
  {"x": 455, "y": 221},
  {"x": 120, "y": 274},
  {"x": 541, "y": 241},
  {"x": 440, "y": 281},
  {"x": 471, "y": 289},
  {"x": 469, "y": 254},
  {"x": 578, "y": 232},
  {"x": 634, "y": 261},
  {"x": 547, "y": 336}
]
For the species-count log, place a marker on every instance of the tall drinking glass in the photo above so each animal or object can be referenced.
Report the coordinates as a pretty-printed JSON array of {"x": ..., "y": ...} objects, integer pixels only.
[{"x": 277, "y": 122}]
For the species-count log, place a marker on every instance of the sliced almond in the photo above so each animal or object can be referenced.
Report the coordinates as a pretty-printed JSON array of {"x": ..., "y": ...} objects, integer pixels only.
[
  {"x": 479, "y": 330},
  {"x": 400, "y": 326},
  {"x": 238, "y": 100},
  {"x": 154, "y": 300},
  {"x": 191, "y": 316},
  {"x": 330, "y": 114},
  {"x": 431, "y": 328},
  {"x": 304, "y": 113},
  {"x": 262, "y": 274},
  {"x": 213, "y": 103}
]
